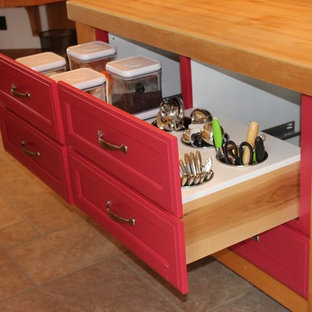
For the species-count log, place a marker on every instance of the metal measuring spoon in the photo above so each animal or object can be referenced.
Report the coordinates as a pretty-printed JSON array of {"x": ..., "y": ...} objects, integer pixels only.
[{"x": 200, "y": 116}]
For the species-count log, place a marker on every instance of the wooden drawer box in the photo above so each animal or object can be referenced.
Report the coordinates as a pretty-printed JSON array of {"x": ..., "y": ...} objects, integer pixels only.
[
  {"x": 41, "y": 155},
  {"x": 149, "y": 164},
  {"x": 32, "y": 96},
  {"x": 154, "y": 235},
  {"x": 283, "y": 253}
]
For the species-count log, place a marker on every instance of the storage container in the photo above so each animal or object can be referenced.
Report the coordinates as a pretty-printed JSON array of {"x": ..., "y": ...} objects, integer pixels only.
[
  {"x": 135, "y": 83},
  {"x": 93, "y": 55},
  {"x": 85, "y": 79},
  {"x": 47, "y": 63}
]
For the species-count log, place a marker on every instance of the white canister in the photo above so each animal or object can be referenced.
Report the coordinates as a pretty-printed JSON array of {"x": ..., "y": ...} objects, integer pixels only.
[
  {"x": 94, "y": 54},
  {"x": 85, "y": 79},
  {"x": 47, "y": 63},
  {"x": 134, "y": 83}
]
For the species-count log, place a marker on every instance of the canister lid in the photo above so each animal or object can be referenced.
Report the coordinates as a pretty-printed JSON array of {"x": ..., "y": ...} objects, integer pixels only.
[
  {"x": 81, "y": 78},
  {"x": 43, "y": 62},
  {"x": 91, "y": 51},
  {"x": 133, "y": 66}
]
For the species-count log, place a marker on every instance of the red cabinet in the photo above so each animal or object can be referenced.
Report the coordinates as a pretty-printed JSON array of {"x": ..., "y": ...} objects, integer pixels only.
[
  {"x": 124, "y": 173},
  {"x": 283, "y": 253},
  {"x": 137, "y": 153},
  {"x": 41, "y": 155},
  {"x": 32, "y": 126},
  {"x": 32, "y": 96},
  {"x": 154, "y": 235}
]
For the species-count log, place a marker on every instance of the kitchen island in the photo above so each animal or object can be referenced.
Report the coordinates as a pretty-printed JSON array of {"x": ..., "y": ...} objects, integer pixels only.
[{"x": 264, "y": 40}]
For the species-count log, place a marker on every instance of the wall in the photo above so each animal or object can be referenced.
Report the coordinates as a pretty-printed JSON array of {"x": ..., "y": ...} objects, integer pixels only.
[
  {"x": 19, "y": 34},
  {"x": 244, "y": 99}
]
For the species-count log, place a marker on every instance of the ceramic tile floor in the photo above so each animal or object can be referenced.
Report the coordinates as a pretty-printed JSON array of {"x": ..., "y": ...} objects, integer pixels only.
[{"x": 54, "y": 259}]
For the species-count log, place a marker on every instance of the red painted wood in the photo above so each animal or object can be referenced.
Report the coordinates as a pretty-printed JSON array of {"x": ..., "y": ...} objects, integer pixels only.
[
  {"x": 101, "y": 35},
  {"x": 157, "y": 237},
  {"x": 42, "y": 109},
  {"x": 186, "y": 81},
  {"x": 151, "y": 163},
  {"x": 51, "y": 166},
  {"x": 303, "y": 224},
  {"x": 283, "y": 253}
]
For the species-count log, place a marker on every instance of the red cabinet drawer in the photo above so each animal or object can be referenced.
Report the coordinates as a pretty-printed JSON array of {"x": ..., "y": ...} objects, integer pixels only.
[
  {"x": 155, "y": 236},
  {"x": 283, "y": 253},
  {"x": 41, "y": 108},
  {"x": 25, "y": 142},
  {"x": 150, "y": 164}
]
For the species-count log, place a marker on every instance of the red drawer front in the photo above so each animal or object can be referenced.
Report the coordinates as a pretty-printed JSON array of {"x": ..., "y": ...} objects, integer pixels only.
[
  {"x": 282, "y": 253},
  {"x": 156, "y": 236},
  {"x": 150, "y": 164},
  {"x": 52, "y": 163},
  {"x": 42, "y": 108}
]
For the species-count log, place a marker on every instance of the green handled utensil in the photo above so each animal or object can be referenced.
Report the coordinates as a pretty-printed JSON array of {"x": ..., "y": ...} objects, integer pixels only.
[{"x": 217, "y": 137}]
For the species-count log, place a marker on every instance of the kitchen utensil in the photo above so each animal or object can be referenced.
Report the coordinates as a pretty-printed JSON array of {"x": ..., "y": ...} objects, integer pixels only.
[
  {"x": 172, "y": 114},
  {"x": 234, "y": 155},
  {"x": 195, "y": 168},
  {"x": 250, "y": 138},
  {"x": 217, "y": 137},
  {"x": 199, "y": 116},
  {"x": 193, "y": 171},
  {"x": 186, "y": 137},
  {"x": 260, "y": 150},
  {"x": 183, "y": 173},
  {"x": 190, "y": 174}
]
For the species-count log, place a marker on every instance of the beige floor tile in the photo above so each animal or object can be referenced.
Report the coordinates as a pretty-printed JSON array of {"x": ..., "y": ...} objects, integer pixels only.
[
  {"x": 62, "y": 252},
  {"x": 255, "y": 302},
  {"x": 108, "y": 287},
  {"x": 12, "y": 279},
  {"x": 8, "y": 216},
  {"x": 210, "y": 283},
  {"x": 47, "y": 211},
  {"x": 16, "y": 234}
]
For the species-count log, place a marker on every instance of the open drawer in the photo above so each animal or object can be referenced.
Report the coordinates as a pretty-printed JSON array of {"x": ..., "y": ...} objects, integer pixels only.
[
  {"x": 128, "y": 148},
  {"x": 240, "y": 202}
]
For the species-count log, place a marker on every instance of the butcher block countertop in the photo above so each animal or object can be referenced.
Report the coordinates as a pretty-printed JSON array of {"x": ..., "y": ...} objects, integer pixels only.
[{"x": 265, "y": 39}]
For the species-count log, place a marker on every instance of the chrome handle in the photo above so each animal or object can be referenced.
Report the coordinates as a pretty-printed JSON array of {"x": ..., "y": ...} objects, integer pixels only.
[
  {"x": 16, "y": 93},
  {"x": 256, "y": 238},
  {"x": 110, "y": 146},
  {"x": 27, "y": 152},
  {"x": 117, "y": 218}
]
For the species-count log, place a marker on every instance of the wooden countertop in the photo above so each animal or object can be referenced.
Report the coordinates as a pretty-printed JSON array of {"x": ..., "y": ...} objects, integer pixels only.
[
  {"x": 19, "y": 3},
  {"x": 265, "y": 39}
]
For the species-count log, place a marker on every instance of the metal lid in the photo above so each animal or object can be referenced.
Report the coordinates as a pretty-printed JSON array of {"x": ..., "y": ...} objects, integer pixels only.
[
  {"x": 81, "y": 78},
  {"x": 91, "y": 51},
  {"x": 43, "y": 62},
  {"x": 133, "y": 66}
]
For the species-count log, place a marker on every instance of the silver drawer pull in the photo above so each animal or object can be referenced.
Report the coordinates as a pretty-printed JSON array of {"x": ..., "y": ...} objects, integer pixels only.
[
  {"x": 256, "y": 238},
  {"x": 16, "y": 93},
  {"x": 117, "y": 218},
  {"x": 27, "y": 152},
  {"x": 110, "y": 146}
]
